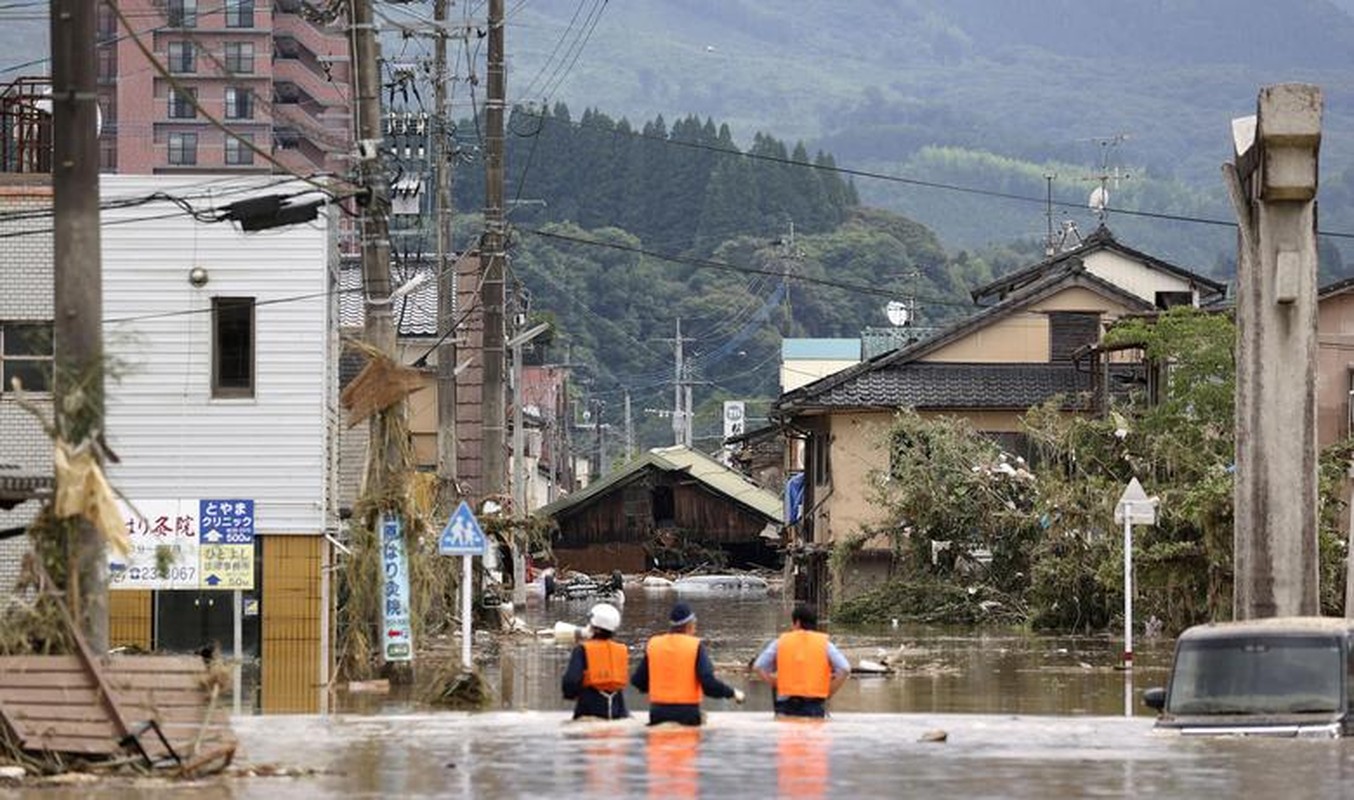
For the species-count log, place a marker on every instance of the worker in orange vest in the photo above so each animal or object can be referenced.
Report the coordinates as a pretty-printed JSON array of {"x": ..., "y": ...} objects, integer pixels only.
[
  {"x": 803, "y": 666},
  {"x": 598, "y": 667},
  {"x": 676, "y": 670}
]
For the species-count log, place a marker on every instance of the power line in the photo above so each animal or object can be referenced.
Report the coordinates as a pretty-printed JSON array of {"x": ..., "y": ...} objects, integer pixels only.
[
  {"x": 721, "y": 265},
  {"x": 900, "y": 179},
  {"x": 174, "y": 83}
]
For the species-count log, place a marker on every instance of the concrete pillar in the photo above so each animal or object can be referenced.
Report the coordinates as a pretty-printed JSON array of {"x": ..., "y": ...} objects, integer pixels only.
[{"x": 1273, "y": 189}]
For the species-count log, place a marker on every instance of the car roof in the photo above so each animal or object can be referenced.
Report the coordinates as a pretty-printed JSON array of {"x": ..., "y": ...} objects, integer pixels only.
[{"x": 1271, "y": 626}]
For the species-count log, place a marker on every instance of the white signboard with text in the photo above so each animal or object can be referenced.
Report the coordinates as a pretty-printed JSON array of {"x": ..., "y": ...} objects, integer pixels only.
[{"x": 169, "y": 544}]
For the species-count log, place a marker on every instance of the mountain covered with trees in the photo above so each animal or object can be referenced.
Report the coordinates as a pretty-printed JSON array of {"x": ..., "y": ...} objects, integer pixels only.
[{"x": 981, "y": 94}]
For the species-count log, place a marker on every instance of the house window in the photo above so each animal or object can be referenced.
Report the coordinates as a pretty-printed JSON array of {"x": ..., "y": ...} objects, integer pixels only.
[
  {"x": 182, "y": 13},
  {"x": 1165, "y": 300},
  {"x": 239, "y": 13},
  {"x": 237, "y": 152},
  {"x": 822, "y": 465},
  {"x": 238, "y": 103},
  {"x": 240, "y": 58},
  {"x": 105, "y": 64},
  {"x": 232, "y": 347},
  {"x": 181, "y": 103},
  {"x": 26, "y": 350},
  {"x": 1349, "y": 401},
  {"x": 1069, "y": 331},
  {"x": 183, "y": 149},
  {"x": 182, "y": 58}
]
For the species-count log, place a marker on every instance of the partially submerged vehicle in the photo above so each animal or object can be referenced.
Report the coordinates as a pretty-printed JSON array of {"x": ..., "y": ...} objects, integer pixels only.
[
  {"x": 747, "y": 585},
  {"x": 1284, "y": 676}
]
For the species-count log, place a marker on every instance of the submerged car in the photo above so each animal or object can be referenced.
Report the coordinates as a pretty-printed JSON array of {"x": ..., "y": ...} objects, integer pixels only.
[{"x": 1284, "y": 676}]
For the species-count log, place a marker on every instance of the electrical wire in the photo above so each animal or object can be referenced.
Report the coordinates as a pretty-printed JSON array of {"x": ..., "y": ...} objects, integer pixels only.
[{"x": 216, "y": 123}]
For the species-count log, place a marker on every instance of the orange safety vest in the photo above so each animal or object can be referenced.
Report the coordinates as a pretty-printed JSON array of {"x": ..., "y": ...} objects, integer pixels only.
[
  {"x": 802, "y": 666},
  {"x": 672, "y": 669},
  {"x": 608, "y": 665}
]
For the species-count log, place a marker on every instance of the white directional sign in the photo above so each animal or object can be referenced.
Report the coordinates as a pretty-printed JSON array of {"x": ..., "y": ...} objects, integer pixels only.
[
  {"x": 463, "y": 535},
  {"x": 1135, "y": 506}
]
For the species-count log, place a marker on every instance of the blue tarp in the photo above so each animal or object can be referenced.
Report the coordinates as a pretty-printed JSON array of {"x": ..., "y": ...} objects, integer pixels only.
[{"x": 794, "y": 498}]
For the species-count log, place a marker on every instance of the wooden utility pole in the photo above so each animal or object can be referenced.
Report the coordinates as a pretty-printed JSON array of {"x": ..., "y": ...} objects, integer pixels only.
[
  {"x": 1273, "y": 190},
  {"x": 78, "y": 280},
  {"x": 491, "y": 261},
  {"x": 446, "y": 275}
]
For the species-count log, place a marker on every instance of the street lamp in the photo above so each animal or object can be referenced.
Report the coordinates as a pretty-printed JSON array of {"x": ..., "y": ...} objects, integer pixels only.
[{"x": 519, "y": 485}]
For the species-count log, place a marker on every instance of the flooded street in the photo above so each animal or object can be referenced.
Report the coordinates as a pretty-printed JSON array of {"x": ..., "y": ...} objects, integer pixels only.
[{"x": 1026, "y": 716}]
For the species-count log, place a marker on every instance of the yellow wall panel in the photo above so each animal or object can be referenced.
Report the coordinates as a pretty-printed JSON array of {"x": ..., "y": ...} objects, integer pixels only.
[
  {"x": 291, "y": 608},
  {"x": 129, "y": 618}
]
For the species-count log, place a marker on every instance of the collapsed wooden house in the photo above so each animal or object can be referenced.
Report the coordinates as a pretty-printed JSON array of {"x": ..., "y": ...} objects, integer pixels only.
[{"x": 666, "y": 509}]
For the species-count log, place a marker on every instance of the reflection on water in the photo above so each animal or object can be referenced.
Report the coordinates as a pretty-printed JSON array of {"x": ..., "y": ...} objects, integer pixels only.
[{"x": 1027, "y": 716}]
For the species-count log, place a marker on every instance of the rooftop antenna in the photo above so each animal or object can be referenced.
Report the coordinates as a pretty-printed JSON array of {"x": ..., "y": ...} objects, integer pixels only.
[
  {"x": 1099, "y": 201},
  {"x": 1050, "y": 242}
]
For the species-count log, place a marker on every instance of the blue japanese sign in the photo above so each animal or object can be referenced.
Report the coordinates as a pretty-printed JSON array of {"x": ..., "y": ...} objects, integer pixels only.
[
  {"x": 397, "y": 636},
  {"x": 226, "y": 521},
  {"x": 226, "y": 534},
  {"x": 463, "y": 535}
]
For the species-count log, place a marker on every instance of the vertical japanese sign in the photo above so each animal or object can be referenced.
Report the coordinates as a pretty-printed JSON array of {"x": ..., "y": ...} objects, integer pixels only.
[
  {"x": 226, "y": 551},
  {"x": 734, "y": 418},
  {"x": 163, "y": 535},
  {"x": 397, "y": 636}
]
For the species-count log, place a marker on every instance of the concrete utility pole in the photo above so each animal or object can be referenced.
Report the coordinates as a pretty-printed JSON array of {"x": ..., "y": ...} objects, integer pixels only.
[
  {"x": 446, "y": 275},
  {"x": 78, "y": 282},
  {"x": 681, "y": 391},
  {"x": 491, "y": 260},
  {"x": 629, "y": 429},
  {"x": 1273, "y": 190}
]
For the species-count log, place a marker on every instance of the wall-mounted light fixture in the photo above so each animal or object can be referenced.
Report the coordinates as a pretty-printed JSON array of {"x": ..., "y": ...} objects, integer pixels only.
[{"x": 197, "y": 276}]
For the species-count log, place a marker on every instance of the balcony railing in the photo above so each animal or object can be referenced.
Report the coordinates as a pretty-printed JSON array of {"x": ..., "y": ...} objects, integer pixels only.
[{"x": 26, "y": 126}]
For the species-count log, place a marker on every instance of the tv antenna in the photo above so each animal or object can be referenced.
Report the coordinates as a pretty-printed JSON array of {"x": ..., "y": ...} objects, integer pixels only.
[{"x": 1099, "y": 200}]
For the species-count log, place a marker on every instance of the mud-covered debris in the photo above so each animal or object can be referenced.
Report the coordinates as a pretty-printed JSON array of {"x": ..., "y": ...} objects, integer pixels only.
[{"x": 934, "y": 735}]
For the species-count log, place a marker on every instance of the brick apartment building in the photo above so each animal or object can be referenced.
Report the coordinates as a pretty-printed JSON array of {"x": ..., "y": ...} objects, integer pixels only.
[{"x": 275, "y": 72}]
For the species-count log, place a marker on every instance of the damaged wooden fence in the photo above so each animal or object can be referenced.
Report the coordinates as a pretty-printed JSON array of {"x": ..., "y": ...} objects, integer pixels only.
[{"x": 164, "y": 710}]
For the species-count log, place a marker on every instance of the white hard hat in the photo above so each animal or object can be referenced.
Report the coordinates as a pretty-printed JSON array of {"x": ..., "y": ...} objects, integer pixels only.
[{"x": 605, "y": 617}]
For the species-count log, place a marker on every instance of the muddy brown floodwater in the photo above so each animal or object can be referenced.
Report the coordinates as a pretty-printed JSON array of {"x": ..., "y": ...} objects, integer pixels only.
[{"x": 1026, "y": 716}]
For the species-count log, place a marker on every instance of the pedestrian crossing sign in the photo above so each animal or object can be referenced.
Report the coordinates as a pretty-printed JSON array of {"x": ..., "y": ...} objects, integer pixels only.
[{"x": 463, "y": 535}]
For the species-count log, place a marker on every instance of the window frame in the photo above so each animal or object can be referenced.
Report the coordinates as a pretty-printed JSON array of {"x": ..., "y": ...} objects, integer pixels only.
[
  {"x": 238, "y": 63},
  {"x": 181, "y": 104},
  {"x": 240, "y": 14},
  {"x": 186, "y": 148},
  {"x": 220, "y": 391},
  {"x": 239, "y": 99},
  {"x": 181, "y": 13},
  {"x": 186, "y": 63},
  {"x": 236, "y": 154},
  {"x": 7, "y": 358}
]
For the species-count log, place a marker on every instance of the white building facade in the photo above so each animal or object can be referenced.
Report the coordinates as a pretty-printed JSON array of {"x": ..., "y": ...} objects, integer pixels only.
[{"x": 223, "y": 357}]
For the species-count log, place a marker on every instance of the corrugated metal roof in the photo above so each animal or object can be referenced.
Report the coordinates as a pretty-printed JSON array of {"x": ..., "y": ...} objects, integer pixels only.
[
  {"x": 716, "y": 476},
  {"x": 833, "y": 349}
]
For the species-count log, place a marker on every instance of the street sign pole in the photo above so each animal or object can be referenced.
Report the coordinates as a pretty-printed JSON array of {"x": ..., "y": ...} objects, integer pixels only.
[
  {"x": 464, "y": 537},
  {"x": 1128, "y": 586},
  {"x": 466, "y": 611},
  {"x": 238, "y": 671},
  {"x": 1134, "y": 508}
]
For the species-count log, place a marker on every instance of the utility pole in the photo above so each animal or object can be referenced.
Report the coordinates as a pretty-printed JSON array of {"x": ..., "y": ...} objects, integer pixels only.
[
  {"x": 78, "y": 284},
  {"x": 688, "y": 411},
  {"x": 1273, "y": 185},
  {"x": 597, "y": 428},
  {"x": 679, "y": 398},
  {"x": 491, "y": 259},
  {"x": 386, "y": 462},
  {"x": 446, "y": 275},
  {"x": 629, "y": 429}
]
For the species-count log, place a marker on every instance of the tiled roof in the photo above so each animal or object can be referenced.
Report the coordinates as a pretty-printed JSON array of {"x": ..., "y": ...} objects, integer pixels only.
[
  {"x": 938, "y": 386},
  {"x": 415, "y": 313},
  {"x": 1069, "y": 274},
  {"x": 1100, "y": 239},
  {"x": 17, "y": 485}
]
